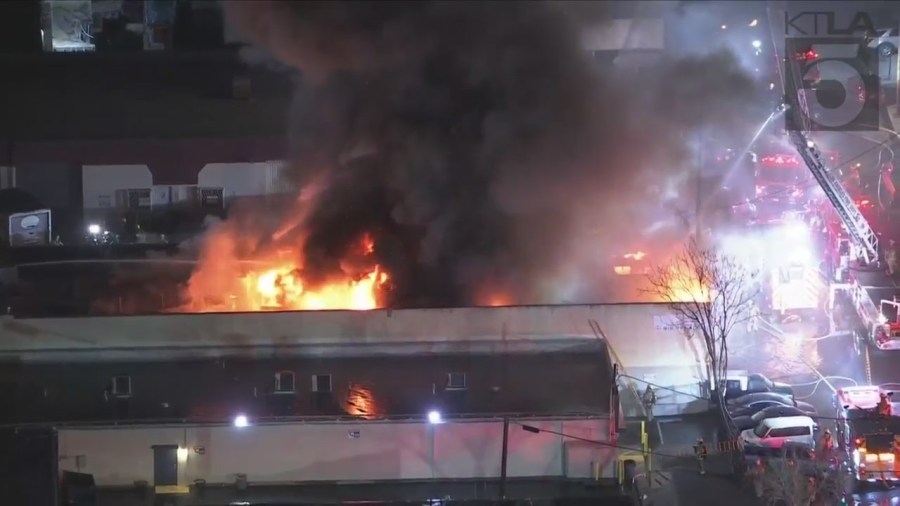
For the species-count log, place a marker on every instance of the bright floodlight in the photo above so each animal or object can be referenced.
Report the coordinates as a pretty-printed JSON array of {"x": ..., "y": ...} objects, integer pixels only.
[
  {"x": 241, "y": 421},
  {"x": 810, "y": 144},
  {"x": 757, "y": 44},
  {"x": 724, "y": 27},
  {"x": 434, "y": 417},
  {"x": 94, "y": 229},
  {"x": 754, "y": 22},
  {"x": 801, "y": 256}
]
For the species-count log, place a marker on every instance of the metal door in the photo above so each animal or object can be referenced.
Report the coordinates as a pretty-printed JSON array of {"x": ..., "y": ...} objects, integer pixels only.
[{"x": 165, "y": 465}]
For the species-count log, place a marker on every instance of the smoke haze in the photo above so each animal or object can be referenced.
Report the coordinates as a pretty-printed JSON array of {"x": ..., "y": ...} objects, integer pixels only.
[{"x": 480, "y": 144}]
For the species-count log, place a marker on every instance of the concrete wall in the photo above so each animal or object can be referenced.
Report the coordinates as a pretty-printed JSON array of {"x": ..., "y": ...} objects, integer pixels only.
[{"x": 327, "y": 452}]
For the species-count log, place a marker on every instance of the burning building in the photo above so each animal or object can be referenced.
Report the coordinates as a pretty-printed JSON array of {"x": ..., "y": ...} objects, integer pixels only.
[{"x": 438, "y": 169}]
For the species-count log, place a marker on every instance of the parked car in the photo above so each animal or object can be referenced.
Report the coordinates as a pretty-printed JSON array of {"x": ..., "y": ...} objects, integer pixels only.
[
  {"x": 750, "y": 404},
  {"x": 748, "y": 422},
  {"x": 775, "y": 432},
  {"x": 886, "y": 42},
  {"x": 755, "y": 383}
]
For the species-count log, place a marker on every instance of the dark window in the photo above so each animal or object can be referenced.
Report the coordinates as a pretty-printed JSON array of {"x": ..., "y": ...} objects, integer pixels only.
[
  {"x": 284, "y": 382},
  {"x": 321, "y": 383},
  {"x": 456, "y": 381},
  {"x": 121, "y": 386},
  {"x": 790, "y": 431}
]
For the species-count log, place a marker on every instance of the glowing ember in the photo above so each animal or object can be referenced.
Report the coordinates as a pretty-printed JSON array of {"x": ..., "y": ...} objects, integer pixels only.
[
  {"x": 361, "y": 402},
  {"x": 275, "y": 282},
  {"x": 498, "y": 300}
]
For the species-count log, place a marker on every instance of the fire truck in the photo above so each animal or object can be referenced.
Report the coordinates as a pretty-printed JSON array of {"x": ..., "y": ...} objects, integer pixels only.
[
  {"x": 869, "y": 439},
  {"x": 882, "y": 321}
]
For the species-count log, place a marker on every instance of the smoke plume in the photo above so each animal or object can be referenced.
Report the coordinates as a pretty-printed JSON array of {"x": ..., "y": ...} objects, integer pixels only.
[{"x": 478, "y": 143}]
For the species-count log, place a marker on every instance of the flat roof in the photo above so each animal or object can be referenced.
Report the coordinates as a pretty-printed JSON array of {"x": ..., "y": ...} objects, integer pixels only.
[{"x": 630, "y": 328}]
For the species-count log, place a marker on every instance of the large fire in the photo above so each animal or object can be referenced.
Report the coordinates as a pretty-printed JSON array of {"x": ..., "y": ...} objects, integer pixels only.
[
  {"x": 224, "y": 281},
  {"x": 685, "y": 287}
]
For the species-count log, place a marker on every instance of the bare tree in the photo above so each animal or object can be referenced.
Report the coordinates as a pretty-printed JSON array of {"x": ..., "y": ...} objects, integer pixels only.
[
  {"x": 789, "y": 482},
  {"x": 710, "y": 294}
]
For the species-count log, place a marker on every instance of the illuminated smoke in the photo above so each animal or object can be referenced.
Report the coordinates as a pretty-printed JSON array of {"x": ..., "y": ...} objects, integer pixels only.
[{"x": 478, "y": 143}]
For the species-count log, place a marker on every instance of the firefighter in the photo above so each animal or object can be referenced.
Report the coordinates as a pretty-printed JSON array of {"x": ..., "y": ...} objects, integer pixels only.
[
  {"x": 753, "y": 317},
  {"x": 827, "y": 445},
  {"x": 884, "y": 405},
  {"x": 700, "y": 452},
  {"x": 649, "y": 399},
  {"x": 890, "y": 258}
]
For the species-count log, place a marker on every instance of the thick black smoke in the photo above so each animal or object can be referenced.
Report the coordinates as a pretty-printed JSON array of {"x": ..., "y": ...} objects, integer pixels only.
[{"x": 478, "y": 142}]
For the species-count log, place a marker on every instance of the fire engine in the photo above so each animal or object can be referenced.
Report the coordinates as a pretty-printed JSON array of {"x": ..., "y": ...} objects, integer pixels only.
[
  {"x": 887, "y": 331},
  {"x": 869, "y": 439}
]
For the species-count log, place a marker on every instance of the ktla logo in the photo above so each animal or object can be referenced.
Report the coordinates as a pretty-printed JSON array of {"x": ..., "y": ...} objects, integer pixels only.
[{"x": 832, "y": 85}]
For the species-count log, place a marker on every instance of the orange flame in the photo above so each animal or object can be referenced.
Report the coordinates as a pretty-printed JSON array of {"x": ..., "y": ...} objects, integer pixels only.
[
  {"x": 275, "y": 282},
  {"x": 637, "y": 255},
  {"x": 685, "y": 287}
]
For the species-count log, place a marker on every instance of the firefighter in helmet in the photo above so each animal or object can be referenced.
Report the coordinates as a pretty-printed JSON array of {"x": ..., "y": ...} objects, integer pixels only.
[
  {"x": 827, "y": 445},
  {"x": 890, "y": 257},
  {"x": 649, "y": 399},
  {"x": 884, "y": 405},
  {"x": 700, "y": 452}
]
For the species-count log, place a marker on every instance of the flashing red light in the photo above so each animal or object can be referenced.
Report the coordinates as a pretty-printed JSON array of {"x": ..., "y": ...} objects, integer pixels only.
[
  {"x": 786, "y": 160},
  {"x": 807, "y": 55},
  {"x": 780, "y": 161}
]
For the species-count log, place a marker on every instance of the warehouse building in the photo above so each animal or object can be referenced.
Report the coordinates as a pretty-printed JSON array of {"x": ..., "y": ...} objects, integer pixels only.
[{"x": 268, "y": 405}]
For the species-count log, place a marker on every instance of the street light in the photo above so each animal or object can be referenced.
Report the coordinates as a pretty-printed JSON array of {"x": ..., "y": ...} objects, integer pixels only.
[
  {"x": 754, "y": 23},
  {"x": 434, "y": 417},
  {"x": 241, "y": 421},
  {"x": 757, "y": 44},
  {"x": 94, "y": 229}
]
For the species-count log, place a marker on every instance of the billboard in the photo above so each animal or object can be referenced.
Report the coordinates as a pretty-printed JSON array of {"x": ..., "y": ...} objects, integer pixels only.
[{"x": 33, "y": 228}]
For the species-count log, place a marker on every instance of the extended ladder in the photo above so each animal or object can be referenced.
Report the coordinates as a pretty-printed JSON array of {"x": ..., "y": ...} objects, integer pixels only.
[{"x": 853, "y": 220}]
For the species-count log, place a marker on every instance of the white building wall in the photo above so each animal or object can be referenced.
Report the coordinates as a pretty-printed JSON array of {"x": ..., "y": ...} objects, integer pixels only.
[
  {"x": 243, "y": 179},
  {"x": 100, "y": 183},
  {"x": 326, "y": 452}
]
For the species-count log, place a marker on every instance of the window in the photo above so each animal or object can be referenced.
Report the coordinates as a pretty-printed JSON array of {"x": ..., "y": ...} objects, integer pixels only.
[
  {"x": 791, "y": 431},
  {"x": 456, "y": 381},
  {"x": 121, "y": 386},
  {"x": 284, "y": 382},
  {"x": 321, "y": 383}
]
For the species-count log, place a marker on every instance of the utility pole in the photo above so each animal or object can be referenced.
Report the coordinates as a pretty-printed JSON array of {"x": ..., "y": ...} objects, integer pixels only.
[
  {"x": 503, "y": 458},
  {"x": 896, "y": 88},
  {"x": 699, "y": 184}
]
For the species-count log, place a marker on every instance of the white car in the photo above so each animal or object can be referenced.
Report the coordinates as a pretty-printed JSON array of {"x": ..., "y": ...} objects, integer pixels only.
[
  {"x": 775, "y": 432},
  {"x": 886, "y": 42}
]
